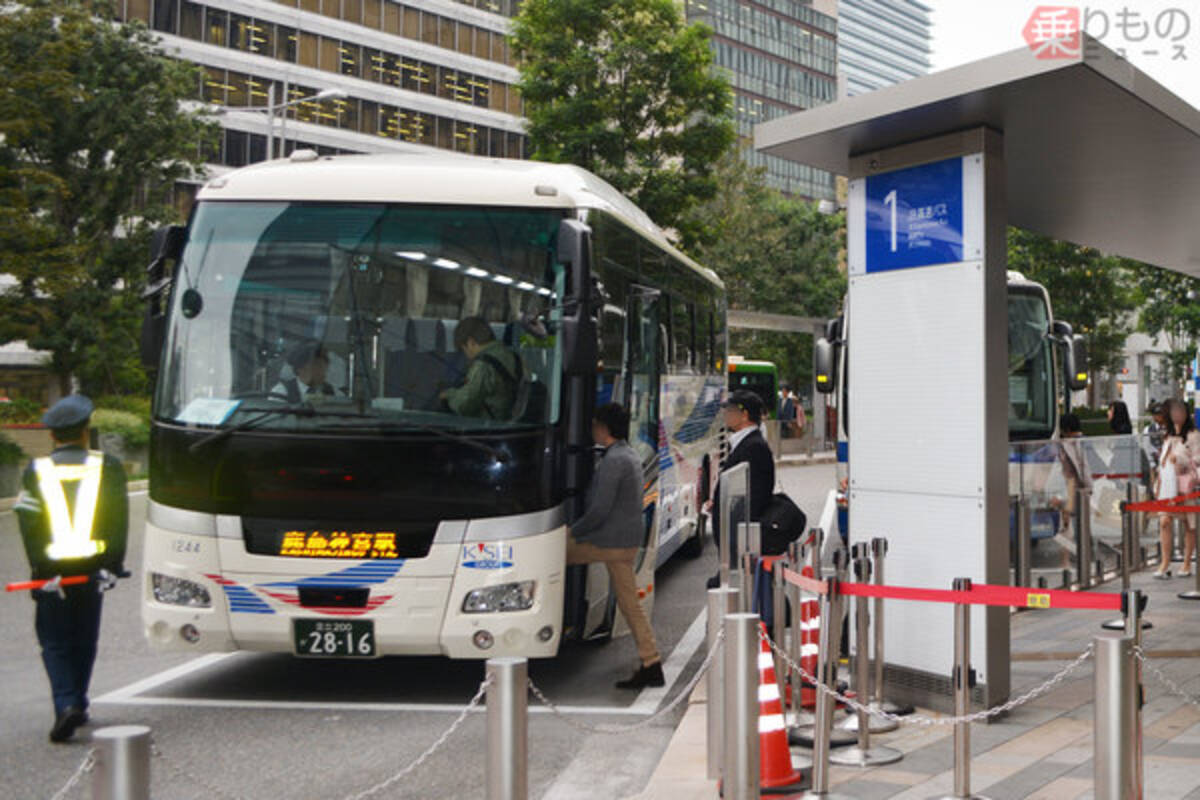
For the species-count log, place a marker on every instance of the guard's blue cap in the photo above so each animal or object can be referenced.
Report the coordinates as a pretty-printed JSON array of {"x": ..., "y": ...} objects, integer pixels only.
[{"x": 72, "y": 410}]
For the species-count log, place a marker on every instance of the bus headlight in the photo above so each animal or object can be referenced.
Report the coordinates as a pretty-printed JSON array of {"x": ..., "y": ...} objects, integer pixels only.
[
  {"x": 504, "y": 597},
  {"x": 179, "y": 592}
]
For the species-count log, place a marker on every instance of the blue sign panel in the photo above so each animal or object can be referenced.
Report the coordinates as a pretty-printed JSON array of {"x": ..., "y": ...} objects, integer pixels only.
[{"x": 915, "y": 216}]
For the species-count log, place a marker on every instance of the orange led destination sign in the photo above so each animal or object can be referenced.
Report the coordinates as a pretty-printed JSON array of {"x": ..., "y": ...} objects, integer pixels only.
[{"x": 339, "y": 544}]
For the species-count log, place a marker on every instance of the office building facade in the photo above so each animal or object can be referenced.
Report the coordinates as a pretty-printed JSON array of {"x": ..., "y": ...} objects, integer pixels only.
[
  {"x": 882, "y": 42},
  {"x": 781, "y": 57},
  {"x": 421, "y": 73}
]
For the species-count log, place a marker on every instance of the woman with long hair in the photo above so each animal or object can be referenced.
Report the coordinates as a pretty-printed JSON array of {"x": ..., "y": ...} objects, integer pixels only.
[
  {"x": 1118, "y": 417},
  {"x": 1177, "y": 476}
]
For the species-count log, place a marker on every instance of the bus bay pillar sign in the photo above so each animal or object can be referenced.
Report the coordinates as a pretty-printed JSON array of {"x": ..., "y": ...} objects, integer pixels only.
[{"x": 926, "y": 362}]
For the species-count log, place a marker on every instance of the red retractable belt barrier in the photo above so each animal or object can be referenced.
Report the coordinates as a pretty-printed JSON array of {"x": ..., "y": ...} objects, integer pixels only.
[
  {"x": 23, "y": 586},
  {"x": 1176, "y": 505},
  {"x": 980, "y": 594},
  {"x": 805, "y": 582}
]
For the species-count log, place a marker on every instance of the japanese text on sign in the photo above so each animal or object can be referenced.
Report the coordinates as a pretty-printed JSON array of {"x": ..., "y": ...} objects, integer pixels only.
[{"x": 339, "y": 544}]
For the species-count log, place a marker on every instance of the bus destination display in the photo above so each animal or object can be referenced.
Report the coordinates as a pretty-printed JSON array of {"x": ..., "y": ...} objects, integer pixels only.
[{"x": 338, "y": 544}]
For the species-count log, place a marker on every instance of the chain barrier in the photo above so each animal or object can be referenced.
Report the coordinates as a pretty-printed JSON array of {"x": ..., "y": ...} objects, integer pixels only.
[
  {"x": 191, "y": 777},
  {"x": 648, "y": 721},
  {"x": 1172, "y": 687},
  {"x": 86, "y": 766},
  {"x": 921, "y": 719}
]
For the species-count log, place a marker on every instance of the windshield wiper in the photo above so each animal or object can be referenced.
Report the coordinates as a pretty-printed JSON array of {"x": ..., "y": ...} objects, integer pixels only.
[
  {"x": 267, "y": 413},
  {"x": 460, "y": 438}
]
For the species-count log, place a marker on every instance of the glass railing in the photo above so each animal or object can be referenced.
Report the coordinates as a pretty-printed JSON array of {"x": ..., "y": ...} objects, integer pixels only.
[{"x": 1065, "y": 501}]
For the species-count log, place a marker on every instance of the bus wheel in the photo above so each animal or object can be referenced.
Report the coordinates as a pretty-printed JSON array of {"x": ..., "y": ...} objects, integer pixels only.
[{"x": 694, "y": 546}]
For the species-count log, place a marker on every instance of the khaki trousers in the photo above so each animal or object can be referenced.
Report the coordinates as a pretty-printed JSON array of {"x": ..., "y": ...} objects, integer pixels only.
[{"x": 619, "y": 562}]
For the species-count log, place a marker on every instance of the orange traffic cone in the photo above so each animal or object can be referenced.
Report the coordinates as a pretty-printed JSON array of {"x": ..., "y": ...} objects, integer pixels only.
[{"x": 775, "y": 772}]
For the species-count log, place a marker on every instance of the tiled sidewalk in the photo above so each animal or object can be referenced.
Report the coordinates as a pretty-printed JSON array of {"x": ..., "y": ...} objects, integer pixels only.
[{"x": 1041, "y": 750}]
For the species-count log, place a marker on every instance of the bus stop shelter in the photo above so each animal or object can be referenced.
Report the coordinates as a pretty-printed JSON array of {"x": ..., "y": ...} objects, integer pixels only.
[{"x": 1083, "y": 148}]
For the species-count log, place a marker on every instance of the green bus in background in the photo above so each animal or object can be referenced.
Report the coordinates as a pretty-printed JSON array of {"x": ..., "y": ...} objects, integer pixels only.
[{"x": 760, "y": 377}]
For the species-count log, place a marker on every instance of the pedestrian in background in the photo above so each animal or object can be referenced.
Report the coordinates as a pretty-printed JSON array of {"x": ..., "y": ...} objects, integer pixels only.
[
  {"x": 743, "y": 414},
  {"x": 74, "y": 518},
  {"x": 613, "y": 528},
  {"x": 1152, "y": 439},
  {"x": 1177, "y": 477},
  {"x": 1118, "y": 418},
  {"x": 1075, "y": 471}
]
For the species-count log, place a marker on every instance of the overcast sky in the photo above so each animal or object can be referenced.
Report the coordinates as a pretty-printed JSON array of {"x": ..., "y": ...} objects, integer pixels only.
[{"x": 967, "y": 30}]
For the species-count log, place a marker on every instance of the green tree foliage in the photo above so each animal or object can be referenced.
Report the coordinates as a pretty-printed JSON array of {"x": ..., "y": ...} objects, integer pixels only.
[
  {"x": 1088, "y": 289},
  {"x": 1170, "y": 307},
  {"x": 625, "y": 89},
  {"x": 776, "y": 254},
  {"x": 92, "y": 137}
]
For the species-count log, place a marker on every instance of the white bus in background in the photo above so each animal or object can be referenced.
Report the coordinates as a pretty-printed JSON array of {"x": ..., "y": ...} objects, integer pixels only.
[
  {"x": 1046, "y": 362},
  {"x": 373, "y": 520}
]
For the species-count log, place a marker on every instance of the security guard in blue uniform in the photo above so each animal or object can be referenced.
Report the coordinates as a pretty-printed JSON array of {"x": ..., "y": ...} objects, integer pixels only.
[{"x": 74, "y": 515}]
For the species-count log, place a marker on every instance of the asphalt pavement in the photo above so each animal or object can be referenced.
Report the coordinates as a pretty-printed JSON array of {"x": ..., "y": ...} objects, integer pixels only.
[{"x": 253, "y": 725}]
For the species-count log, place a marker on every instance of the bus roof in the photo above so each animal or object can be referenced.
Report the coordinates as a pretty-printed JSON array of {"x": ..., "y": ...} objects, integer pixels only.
[{"x": 437, "y": 179}]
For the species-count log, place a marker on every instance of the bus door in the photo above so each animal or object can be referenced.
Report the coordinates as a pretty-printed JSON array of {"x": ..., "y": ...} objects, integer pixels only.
[{"x": 637, "y": 388}]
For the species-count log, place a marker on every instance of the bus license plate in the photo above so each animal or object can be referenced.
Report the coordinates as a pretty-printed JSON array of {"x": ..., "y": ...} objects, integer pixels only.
[{"x": 334, "y": 638}]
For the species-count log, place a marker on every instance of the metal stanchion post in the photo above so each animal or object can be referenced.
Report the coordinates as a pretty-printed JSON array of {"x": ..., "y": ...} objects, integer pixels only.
[
  {"x": 507, "y": 729},
  {"x": 1117, "y": 760},
  {"x": 1127, "y": 547},
  {"x": 749, "y": 571},
  {"x": 122, "y": 770},
  {"x": 1139, "y": 528},
  {"x": 964, "y": 677},
  {"x": 879, "y": 547},
  {"x": 779, "y": 625},
  {"x": 1193, "y": 594},
  {"x": 1083, "y": 537},
  {"x": 1176, "y": 539},
  {"x": 827, "y": 672},
  {"x": 740, "y": 775},
  {"x": 1024, "y": 541},
  {"x": 721, "y": 602},
  {"x": 863, "y": 754}
]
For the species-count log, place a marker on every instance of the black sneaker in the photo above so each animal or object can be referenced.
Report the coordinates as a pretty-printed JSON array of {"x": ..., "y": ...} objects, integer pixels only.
[
  {"x": 645, "y": 676},
  {"x": 66, "y": 723}
]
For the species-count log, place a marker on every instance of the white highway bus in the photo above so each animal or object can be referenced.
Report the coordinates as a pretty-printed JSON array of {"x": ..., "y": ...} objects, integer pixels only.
[
  {"x": 1046, "y": 362},
  {"x": 362, "y": 517}
]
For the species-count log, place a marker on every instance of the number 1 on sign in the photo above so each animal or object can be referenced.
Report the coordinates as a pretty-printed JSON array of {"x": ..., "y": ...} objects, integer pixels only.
[{"x": 891, "y": 200}]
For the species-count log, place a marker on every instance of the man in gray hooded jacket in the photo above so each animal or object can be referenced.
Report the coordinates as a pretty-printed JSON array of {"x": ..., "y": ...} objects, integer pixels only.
[{"x": 611, "y": 531}]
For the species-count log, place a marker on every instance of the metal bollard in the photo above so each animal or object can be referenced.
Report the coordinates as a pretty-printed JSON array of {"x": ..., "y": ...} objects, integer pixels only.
[
  {"x": 799, "y": 717},
  {"x": 1083, "y": 537},
  {"x": 1176, "y": 539},
  {"x": 740, "y": 775},
  {"x": 964, "y": 677},
  {"x": 749, "y": 572},
  {"x": 1117, "y": 759},
  {"x": 1024, "y": 541},
  {"x": 779, "y": 623},
  {"x": 508, "y": 729},
  {"x": 122, "y": 769},
  {"x": 1127, "y": 547},
  {"x": 827, "y": 670},
  {"x": 863, "y": 754},
  {"x": 721, "y": 602},
  {"x": 1139, "y": 528}
]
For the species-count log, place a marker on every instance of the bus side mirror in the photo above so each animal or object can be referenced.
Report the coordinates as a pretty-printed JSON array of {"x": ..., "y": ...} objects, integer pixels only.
[
  {"x": 578, "y": 325},
  {"x": 1077, "y": 364},
  {"x": 166, "y": 245},
  {"x": 824, "y": 368}
]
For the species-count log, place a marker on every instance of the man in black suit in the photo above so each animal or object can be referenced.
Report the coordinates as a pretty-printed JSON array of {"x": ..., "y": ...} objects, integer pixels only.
[{"x": 743, "y": 415}]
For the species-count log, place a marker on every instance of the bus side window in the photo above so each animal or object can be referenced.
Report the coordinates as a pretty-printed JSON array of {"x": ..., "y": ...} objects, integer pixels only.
[{"x": 681, "y": 335}]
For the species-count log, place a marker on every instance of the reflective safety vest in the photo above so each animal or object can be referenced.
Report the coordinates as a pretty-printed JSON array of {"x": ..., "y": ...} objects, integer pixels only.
[{"x": 71, "y": 538}]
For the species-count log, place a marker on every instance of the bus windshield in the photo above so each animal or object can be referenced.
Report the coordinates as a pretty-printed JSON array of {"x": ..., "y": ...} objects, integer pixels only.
[
  {"x": 349, "y": 313},
  {"x": 1031, "y": 408}
]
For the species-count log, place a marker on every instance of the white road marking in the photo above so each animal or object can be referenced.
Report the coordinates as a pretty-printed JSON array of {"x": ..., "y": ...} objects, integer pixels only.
[
  {"x": 693, "y": 639},
  {"x": 166, "y": 676},
  {"x": 307, "y": 705},
  {"x": 134, "y": 695}
]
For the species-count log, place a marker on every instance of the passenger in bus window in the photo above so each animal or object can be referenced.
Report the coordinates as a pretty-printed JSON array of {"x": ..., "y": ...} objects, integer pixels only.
[
  {"x": 493, "y": 377},
  {"x": 612, "y": 529},
  {"x": 310, "y": 365}
]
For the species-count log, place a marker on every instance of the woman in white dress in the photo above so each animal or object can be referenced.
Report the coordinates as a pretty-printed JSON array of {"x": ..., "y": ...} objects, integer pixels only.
[{"x": 1177, "y": 477}]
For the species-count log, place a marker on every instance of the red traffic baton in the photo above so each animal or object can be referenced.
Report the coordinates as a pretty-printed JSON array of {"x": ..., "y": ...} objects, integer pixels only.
[{"x": 24, "y": 586}]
